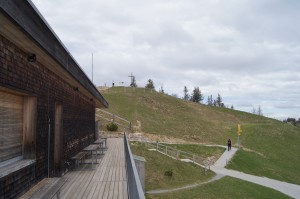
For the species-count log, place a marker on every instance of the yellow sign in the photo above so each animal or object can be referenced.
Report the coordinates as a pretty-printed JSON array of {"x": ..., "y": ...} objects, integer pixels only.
[{"x": 239, "y": 131}]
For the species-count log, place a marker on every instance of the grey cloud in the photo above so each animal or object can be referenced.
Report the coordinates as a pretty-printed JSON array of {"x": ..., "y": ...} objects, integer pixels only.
[{"x": 249, "y": 51}]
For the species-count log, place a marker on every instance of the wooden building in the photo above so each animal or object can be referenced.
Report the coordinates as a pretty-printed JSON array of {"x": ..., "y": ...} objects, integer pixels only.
[{"x": 47, "y": 103}]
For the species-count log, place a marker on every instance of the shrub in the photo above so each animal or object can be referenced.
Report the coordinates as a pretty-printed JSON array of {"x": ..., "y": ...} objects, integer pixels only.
[
  {"x": 169, "y": 173},
  {"x": 112, "y": 127}
]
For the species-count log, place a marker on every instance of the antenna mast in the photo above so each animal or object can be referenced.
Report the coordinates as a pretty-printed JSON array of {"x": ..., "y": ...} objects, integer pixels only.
[{"x": 92, "y": 68}]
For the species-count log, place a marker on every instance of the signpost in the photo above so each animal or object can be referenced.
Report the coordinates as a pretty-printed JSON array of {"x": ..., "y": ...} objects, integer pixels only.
[{"x": 239, "y": 131}]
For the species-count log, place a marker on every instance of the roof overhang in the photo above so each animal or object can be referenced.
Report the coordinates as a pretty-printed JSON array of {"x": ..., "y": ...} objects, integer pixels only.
[{"x": 22, "y": 24}]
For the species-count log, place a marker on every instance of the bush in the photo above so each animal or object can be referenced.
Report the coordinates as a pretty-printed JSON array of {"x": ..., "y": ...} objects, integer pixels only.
[
  {"x": 169, "y": 173},
  {"x": 112, "y": 127}
]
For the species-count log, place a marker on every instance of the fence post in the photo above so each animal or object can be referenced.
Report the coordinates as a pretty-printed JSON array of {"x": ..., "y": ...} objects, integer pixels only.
[
  {"x": 166, "y": 150},
  {"x": 177, "y": 154},
  {"x": 113, "y": 118},
  {"x": 156, "y": 145},
  {"x": 194, "y": 158}
]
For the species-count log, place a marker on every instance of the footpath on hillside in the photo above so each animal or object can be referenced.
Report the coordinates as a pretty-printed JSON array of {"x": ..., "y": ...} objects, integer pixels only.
[{"x": 289, "y": 189}]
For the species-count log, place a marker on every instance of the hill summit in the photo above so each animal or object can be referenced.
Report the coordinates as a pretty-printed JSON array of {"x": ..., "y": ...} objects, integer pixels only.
[{"x": 268, "y": 145}]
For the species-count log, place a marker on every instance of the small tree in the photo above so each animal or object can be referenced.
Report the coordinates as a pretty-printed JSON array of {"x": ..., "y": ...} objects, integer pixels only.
[
  {"x": 209, "y": 100},
  {"x": 186, "y": 95},
  {"x": 219, "y": 101},
  {"x": 150, "y": 84},
  {"x": 232, "y": 108},
  {"x": 161, "y": 90},
  {"x": 197, "y": 95},
  {"x": 254, "y": 110},
  {"x": 259, "y": 111},
  {"x": 215, "y": 103}
]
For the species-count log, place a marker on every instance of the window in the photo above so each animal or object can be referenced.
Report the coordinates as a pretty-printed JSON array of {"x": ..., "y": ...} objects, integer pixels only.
[
  {"x": 11, "y": 126},
  {"x": 17, "y": 126}
]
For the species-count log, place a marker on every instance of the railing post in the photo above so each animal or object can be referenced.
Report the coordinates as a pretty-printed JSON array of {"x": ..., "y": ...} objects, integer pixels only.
[{"x": 166, "y": 150}]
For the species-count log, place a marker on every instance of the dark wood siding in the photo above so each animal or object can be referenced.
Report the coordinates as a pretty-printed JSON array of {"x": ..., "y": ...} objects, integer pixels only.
[
  {"x": 11, "y": 126},
  {"x": 36, "y": 80}
]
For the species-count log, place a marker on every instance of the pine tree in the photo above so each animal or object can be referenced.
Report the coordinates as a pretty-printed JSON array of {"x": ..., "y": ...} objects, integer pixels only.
[
  {"x": 197, "y": 95},
  {"x": 259, "y": 111},
  {"x": 215, "y": 103},
  {"x": 209, "y": 100},
  {"x": 161, "y": 90},
  {"x": 186, "y": 95},
  {"x": 219, "y": 101},
  {"x": 150, "y": 84}
]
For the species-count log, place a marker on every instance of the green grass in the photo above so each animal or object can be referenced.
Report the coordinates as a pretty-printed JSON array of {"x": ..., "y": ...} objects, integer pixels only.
[
  {"x": 276, "y": 142},
  {"x": 165, "y": 115},
  {"x": 203, "y": 151},
  {"x": 226, "y": 188},
  {"x": 157, "y": 164},
  {"x": 280, "y": 158}
]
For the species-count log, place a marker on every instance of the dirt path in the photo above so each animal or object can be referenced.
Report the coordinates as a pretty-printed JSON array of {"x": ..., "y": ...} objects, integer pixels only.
[{"x": 158, "y": 191}]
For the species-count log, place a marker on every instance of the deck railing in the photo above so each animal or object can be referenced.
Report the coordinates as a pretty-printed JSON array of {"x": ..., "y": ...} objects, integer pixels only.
[{"x": 135, "y": 190}]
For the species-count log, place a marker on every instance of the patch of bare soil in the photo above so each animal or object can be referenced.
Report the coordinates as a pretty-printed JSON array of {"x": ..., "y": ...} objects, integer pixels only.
[
  {"x": 153, "y": 104},
  {"x": 138, "y": 135},
  {"x": 209, "y": 160},
  {"x": 250, "y": 150},
  {"x": 109, "y": 134}
]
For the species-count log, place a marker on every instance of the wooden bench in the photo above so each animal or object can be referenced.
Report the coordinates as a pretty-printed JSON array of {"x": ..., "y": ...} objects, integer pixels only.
[
  {"x": 79, "y": 157},
  {"x": 47, "y": 188},
  {"x": 101, "y": 143},
  {"x": 105, "y": 142},
  {"x": 91, "y": 149}
]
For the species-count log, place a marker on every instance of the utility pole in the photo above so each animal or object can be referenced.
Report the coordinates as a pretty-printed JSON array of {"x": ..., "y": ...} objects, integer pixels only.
[{"x": 92, "y": 68}]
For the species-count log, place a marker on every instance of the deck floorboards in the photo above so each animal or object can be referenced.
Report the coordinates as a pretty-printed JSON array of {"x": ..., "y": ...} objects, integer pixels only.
[{"x": 107, "y": 179}]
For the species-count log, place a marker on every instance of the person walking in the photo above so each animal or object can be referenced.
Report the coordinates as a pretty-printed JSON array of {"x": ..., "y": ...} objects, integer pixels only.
[{"x": 229, "y": 144}]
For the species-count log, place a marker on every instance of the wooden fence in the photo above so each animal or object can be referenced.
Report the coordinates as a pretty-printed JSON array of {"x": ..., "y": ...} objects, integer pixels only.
[
  {"x": 180, "y": 155},
  {"x": 112, "y": 118}
]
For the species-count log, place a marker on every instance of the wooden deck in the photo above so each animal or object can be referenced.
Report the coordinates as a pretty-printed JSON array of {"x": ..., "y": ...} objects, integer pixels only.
[{"x": 104, "y": 180}]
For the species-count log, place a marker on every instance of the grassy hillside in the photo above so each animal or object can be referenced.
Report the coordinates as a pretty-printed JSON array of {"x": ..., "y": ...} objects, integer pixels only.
[
  {"x": 165, "y": 115},
  {"x": 157, "y": 164},
  {"x": 187, "y": 173},
  {"x": 270, "y": 145}
]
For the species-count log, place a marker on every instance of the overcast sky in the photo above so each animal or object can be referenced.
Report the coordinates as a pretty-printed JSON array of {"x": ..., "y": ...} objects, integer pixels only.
[{"x": 246, "y": 50}]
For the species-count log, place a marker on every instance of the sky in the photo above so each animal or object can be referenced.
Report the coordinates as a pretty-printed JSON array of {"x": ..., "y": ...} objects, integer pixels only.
[{"x": 248, "y": 51}]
